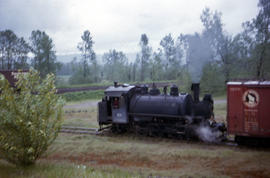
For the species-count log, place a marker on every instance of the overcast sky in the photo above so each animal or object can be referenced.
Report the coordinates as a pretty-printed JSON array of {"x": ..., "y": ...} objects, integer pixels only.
[{"x": 117, "y": 24}]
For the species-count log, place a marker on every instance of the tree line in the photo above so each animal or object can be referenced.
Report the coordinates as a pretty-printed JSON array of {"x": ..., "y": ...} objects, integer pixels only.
[
  {"x": 212, "y": 56},
  {"x": 15, "y": 52}
]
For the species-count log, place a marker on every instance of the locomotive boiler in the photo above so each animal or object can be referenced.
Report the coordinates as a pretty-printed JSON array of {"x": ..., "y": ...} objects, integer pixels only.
[{"x": 136, "y": 108}]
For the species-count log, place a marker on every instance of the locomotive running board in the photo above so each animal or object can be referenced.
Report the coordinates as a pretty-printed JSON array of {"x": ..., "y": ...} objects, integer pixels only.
[{"x": 163, "y": 115}]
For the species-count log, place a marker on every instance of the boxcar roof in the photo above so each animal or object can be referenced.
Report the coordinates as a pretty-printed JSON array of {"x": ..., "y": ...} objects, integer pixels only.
[
  {"x": 250, "y": 82},
  {"x": 10, "y": 75}
]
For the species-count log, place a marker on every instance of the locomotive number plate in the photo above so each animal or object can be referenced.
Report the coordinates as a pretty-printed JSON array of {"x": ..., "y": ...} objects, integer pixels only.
[{"x": 118, "y": 114}]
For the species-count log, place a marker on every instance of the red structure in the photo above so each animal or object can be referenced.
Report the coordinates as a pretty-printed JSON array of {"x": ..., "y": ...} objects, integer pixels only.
[
  {"x": 248, "y": 109},
  {"x": 10, "y": 75}
]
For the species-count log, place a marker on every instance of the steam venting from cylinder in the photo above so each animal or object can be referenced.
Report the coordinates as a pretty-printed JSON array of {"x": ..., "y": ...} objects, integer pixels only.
[{"x": 195, "y": 88}]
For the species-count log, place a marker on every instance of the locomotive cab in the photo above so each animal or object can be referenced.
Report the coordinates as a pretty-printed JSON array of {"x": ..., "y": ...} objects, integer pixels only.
[{"x": 114, "y": 106}]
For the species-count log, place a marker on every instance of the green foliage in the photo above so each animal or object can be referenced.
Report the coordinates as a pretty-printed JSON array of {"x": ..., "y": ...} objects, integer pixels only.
[
  {"x": 172, "y": 57},
  {"x": 13, "y": 51},
  {"x": 145, "y": 54},
  {"x": 116, "y": 67},
  {"x": 44, "y": 55},
  {"x": 83, "y": 72},
  {"x": 78, "y": 78},
  {"x": 30, "y": 117},
  {"x": 184, "y": 80},
  {"x": 257, "y": 40},
  {"x": 83, "y": 95},
  {"x": 212, "y": 79}
]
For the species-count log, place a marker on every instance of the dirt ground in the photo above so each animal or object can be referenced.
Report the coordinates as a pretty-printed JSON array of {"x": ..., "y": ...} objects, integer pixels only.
[{"x": 164, "y": 157}]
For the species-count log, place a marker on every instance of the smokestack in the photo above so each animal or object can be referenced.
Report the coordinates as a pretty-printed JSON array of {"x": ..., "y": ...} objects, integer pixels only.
[{"x": 195, "y": 87}]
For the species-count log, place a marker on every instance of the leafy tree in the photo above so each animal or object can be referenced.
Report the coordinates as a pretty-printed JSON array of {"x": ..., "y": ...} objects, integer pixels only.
[
  {"x": 44, "y": 55},
  {"x": 136, "y": 68},
  {"x": 172, "y": 57},
  {"x": 220, "y": 43},
  {"x": 116, "y": 66},
  {"x": 212, "y": 80},
  {"x": 13, "y": 51},
  {"x": 157, "y": 72},
  {"x": 66, "y": 69},
  {"x": 30, "y": 117},
  {"x": 77, "y": 76},
  {"x": 88, "y": 55},
  {"x": 145, "y": 56},
  {"x": 257, "y": 33}
]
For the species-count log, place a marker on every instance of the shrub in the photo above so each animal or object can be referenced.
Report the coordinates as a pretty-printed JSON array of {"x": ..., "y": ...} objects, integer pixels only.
[{"x": 30, "y": 117}]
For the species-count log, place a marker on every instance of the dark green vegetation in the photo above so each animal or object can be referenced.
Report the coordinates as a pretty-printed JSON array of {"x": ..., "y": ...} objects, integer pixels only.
[
  {"x": 29, "y": 123},
  {"x": 44, "y": 55},
  {"x": 14, "y": 52}
]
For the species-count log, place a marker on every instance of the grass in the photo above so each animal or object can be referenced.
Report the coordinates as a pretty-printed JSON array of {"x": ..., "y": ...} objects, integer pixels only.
[
  {"x": 144, "y": 156},
  {"x": 158, "y": 156},
  {"x": 220, "y": 108},
  {"x": 81, "y": 117},
  {"x": 220, "y": 111},
  {"x": 83, "y": 95},
  {"x": 138, "y": 156},
  {"x": 50, "y": 169}
]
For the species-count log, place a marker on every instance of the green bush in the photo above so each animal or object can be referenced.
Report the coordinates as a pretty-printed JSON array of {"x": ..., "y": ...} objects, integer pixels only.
[{"x": 30, "y": 117}]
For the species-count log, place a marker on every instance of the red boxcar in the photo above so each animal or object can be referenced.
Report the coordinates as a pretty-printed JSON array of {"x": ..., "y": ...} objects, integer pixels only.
[
  {"x": 248, "y": 109},
  {"x": 10, "y": 75}
]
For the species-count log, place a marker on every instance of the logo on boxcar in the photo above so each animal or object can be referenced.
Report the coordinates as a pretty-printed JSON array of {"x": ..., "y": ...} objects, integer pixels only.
[{"x": 251, "y": 98}]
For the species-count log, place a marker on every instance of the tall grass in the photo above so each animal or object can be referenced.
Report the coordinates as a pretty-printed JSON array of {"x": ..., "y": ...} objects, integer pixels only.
[{"x": 83, "y": 95}]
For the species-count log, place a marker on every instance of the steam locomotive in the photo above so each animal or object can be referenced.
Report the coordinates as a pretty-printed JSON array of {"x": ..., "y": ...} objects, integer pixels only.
[
  {"x": 127, "y": 108},
  {"x": 138, "y": 109}
]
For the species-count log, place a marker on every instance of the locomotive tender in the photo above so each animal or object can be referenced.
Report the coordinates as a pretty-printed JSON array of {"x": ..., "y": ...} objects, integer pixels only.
[{"x": 134, "y": 108}]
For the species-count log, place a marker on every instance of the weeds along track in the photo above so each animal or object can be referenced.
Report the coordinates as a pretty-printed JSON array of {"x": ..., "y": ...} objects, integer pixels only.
[
  {"x": 80, "y": 130},
  {"x": 96, "y": 131}
]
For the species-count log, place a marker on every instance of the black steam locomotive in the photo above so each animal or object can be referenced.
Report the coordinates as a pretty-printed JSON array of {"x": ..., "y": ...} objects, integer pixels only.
[{"x": 134, "y": 108}]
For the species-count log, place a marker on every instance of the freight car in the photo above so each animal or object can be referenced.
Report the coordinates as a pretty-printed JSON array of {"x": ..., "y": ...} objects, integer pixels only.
[
  {"x": 248, "y": 116},
  {"x": 11, "y": 75},
  {"x": 134, "y": 108}
]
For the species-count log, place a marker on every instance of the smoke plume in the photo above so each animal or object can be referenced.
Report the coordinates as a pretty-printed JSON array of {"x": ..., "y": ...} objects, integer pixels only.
[
  {"x": 197, "y": 55},
  {"x": 206, "y": 134}
]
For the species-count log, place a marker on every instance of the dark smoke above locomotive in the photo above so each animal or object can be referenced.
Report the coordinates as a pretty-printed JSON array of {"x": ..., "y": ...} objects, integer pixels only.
[{"x": 127, "y": 107}]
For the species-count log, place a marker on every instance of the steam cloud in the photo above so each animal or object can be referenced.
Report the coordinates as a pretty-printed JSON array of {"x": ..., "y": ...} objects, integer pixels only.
[
  {"x": 198, "y": 54},
  {"x": 206, "y": 134}
]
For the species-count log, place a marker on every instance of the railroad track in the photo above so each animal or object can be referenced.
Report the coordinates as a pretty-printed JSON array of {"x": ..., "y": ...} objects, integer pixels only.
[
  {"x": 96, "y": 131},
  {"x": 79, "y": 130}
]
